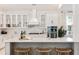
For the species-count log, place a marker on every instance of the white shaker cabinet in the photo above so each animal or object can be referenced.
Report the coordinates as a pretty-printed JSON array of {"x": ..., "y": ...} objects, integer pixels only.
[
  {"x": 1, "y": 20},
  {"x": 52, "y": 19},
  {"x": 8, "y": 21},
  {"x": 25, "y": 20},
  {"x": 19, "y": 21},
  {"x": 13, "y": 20}
]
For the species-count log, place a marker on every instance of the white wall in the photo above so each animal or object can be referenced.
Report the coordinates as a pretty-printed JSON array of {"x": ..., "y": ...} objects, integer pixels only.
[
  {"x": 7, "y": 48},
  {"x": 76, "y": 48},
  {"x": 76, "y": 24}
]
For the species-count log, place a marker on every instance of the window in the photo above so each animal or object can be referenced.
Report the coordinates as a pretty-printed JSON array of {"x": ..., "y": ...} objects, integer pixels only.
[{"x": 69, "y": 22}]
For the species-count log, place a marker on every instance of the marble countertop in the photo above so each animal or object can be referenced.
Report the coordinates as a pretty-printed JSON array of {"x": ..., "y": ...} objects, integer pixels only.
[
  {"x": 34, "y": 38},
  {"x": 39, "y": 39}
]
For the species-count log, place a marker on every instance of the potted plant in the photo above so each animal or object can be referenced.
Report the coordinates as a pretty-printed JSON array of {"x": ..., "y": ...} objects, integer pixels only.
[{"x": 61, "y": 32}]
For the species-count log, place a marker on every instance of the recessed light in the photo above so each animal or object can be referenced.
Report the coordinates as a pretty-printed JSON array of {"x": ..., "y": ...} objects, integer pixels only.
[{"x": 60, "y": 5}]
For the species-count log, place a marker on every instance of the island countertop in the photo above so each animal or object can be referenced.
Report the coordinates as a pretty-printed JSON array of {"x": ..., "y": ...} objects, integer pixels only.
[{"x": 34, "y": 38}]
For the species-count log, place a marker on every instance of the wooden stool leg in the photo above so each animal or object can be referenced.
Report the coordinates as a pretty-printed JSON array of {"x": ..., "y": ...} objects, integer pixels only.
[
  {"x": 48, "y": 53},
  {"x": 58, "y": 53},
  {"x": 27, "y": 53}
]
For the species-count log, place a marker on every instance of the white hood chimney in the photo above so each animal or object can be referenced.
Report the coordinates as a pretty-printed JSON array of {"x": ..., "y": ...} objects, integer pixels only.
[{"x": 34, "y": 20}]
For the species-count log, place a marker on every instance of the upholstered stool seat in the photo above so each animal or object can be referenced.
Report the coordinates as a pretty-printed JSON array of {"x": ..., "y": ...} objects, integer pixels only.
[
  {"x": 43, "y": 51},
  {"x": 22, "y": 51},
  {"x": 63, "y": 51}
]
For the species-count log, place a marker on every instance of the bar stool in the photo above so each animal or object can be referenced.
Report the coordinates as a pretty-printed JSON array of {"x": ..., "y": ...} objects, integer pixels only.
[
  {"x": 43, "y": 51},
  {"x": 63, "y": 51},
  {"x": 22, "y": 51}
]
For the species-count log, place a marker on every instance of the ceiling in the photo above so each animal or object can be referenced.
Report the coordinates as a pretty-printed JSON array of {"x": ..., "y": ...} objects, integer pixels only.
[
  {"x": 19, "y": 7},
  {"x": 41, "y": 7}
]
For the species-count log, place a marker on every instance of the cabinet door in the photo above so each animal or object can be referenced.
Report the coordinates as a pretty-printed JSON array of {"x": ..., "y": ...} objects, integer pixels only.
[
  {"x": 1, "y": 20},
  {"x": 24, "y": 20},
  {"x": 13, "y": 20},
  {"x": 7, "y": 48},
  {"x": 55, "y": 19},
  {"x": 52, "y": 19},
  {"x": 8, "y": 21},
  {"x": 19, "y": 21},
  {"x": 43, "y": 18},
  {"x": 49, "y": 20}
]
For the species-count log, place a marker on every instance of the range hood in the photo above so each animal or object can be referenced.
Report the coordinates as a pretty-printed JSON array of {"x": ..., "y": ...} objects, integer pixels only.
[{"x": 34, "y": 20}]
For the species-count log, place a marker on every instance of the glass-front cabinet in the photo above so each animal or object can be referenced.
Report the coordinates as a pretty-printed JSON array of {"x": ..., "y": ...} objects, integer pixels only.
[
  {"x": 19, "y": 21},
  {"x": 12, "y": 20},
  {"x": 1, "y": 20},
  {"x": 25, "y": 20}
]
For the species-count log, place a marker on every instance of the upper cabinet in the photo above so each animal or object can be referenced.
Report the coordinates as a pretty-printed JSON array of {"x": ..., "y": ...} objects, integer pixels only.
[
  {"x": 1, "y": 20},
  {"x": 52, "y": 19},
  {"x": 8, "y": 21},
  {"x": 19, "y": 19},
  {"x": 43, "y": 18},
  {"x": 24, "y": 19},
  {"x": 15, "y": 19}
]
